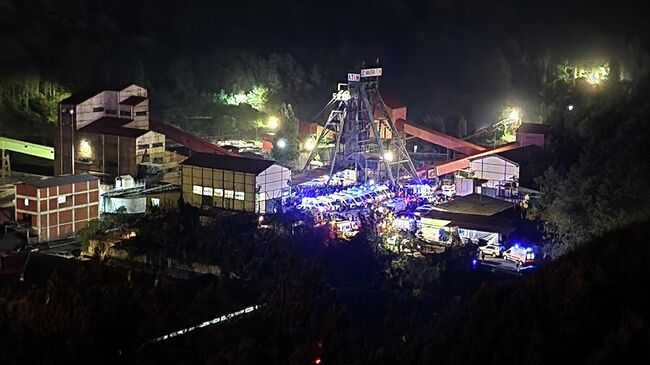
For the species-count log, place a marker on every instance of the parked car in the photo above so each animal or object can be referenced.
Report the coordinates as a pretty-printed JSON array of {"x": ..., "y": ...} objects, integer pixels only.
[
  {"x": 490, "y": 250},
  {"x": 423, "y": 209}
]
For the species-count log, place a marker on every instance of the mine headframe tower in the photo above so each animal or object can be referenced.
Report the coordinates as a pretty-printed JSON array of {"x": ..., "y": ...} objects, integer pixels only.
[{"x": 363, "y": 133}]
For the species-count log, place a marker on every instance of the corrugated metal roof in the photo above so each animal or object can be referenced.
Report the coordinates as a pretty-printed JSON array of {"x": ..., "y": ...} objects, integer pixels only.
[
  {"x": 230, "y": 163},
  {"x": 113, "y": 126},
  {"x": 133, "y": 100},
  {"x": 62, "y": 180}
]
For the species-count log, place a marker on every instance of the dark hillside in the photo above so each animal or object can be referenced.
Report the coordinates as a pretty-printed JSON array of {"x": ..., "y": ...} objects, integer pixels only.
[{"x": 591, "y": 306}]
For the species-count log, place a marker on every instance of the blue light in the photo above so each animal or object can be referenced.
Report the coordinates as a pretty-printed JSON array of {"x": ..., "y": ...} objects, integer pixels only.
[
  {"x": 529, "y": 249},
  {"x": 474, "y": 262}
]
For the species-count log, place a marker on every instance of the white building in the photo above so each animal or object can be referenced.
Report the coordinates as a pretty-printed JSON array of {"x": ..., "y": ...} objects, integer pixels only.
[{"x": 505, "y": 172}]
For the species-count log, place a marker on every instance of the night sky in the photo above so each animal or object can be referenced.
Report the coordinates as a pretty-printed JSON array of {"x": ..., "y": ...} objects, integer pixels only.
[{"x": 440, "y": 57}]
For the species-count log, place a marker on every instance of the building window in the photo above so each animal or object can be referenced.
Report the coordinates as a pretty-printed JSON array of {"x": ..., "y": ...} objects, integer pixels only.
[
  {"x": 143, "y": 146},
  {"x": 229, "y": 194},
  {"x": 26, "y": 202},
  {"x": 197, "y": 189},
  {"x": 125, "y": 113},
  {"x": 207, "y": 191},
  {"x": 85, "y": 150},
  {"x": 159, "y": 144},
  {"x": 140, "y": 114},
  {"x": 218, "y": 193},
  {"x": 61, "y": 199},
  {"x": 111, "y": 112},
  {"x": 239, "y": 195},
  {"x": 155, "y": 202},
  {"x": 98, "y": 109}
]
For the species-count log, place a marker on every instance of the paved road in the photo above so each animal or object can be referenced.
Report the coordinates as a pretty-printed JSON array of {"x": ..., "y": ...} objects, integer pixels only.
[{"x": 499, "y": 264}]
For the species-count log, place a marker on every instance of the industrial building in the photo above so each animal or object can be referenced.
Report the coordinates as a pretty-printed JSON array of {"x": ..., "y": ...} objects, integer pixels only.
[
  {"x": 505, "y": 173},
  {"x": 472, "y": 217},
  {"x": 57, "y": 207},
  {"x": 533, "y": 133},
  {"x": 237, "y": 183},
  {"x": 107, "y": 133}
]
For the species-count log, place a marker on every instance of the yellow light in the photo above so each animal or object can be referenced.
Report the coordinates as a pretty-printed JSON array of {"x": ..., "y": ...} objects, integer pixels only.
[
  {"x": 388, "y": 156},
  {"x": 593, "y": 78},
  {"x": 274, "y": 122},
  {"x": 514, "y": 115},
  {"x": 310, "y": 144},
  {"x": 85, "y": 150}
]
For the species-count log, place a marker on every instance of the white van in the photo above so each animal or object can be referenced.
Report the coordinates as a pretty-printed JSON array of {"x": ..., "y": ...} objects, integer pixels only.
[
  {"x": 395, "y": 205},
  {"x": 520, "y": 255}
]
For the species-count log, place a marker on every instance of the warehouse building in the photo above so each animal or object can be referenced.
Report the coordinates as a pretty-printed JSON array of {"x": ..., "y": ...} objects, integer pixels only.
[
  {"x": 57, "y": 207},
  {"x": 236, "y": 183},
  {"x": 507, "y": 173}
]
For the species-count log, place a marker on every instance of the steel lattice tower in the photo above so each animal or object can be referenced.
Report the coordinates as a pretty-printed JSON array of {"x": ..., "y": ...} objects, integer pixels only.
[{"x": 362, "y": 132}]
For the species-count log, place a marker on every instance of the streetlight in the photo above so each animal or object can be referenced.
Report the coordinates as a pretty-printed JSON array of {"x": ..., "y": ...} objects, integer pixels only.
[
  {"x": 274, "y": 122},
  {"x": 570, "y": 107},
  {"x": 281, "y": 143},
  {"x": 514, "y": 115},
  {"x": 388, "y": 156}
]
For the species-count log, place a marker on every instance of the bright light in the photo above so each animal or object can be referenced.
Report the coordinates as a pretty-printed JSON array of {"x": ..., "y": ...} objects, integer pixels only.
[
  {"x": 85, "y": 150},
  {"x": 570, "y": 107},
  {"x": 274, "y": 122},
  {"x": 594, "y": 78},
  {"x": 260, "y": 219},
  {"x": 281, "y": 143},
  {"x": 310, "y": 144},
  {"x": 514, "y": 115},
  {"x": 388, "y": 156}
]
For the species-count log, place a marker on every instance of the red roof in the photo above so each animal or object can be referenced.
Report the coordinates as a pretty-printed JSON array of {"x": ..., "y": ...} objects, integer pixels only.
[{"x": 188, "y": 140}]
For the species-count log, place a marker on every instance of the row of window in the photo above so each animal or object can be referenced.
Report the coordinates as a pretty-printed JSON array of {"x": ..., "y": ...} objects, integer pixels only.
[
  {"x": 144, "y": 146},
  {"x": 219, "y": 193},
  {"x": 61, "y": 199}
]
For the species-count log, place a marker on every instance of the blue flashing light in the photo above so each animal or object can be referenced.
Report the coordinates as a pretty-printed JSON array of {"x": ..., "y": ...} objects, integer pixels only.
[
  {"x": 529, "y": 249},
  {"x": 474, "y": 262}
]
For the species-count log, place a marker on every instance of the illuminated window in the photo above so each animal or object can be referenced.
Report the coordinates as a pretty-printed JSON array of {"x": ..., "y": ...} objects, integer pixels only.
[
  {"x": 26, "y": 202},
  {"x": 61, "y": 199},
  {"x": 85, "y": 150},
  {"x": 155, "y": 202},
  {"x": 197, "y": 189},
  {"x": 239, "y": 195},
  {"x": 218, "y": 193},
  {"x": 207, "y": 191},
  {"x": 229, "y": 194}
]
